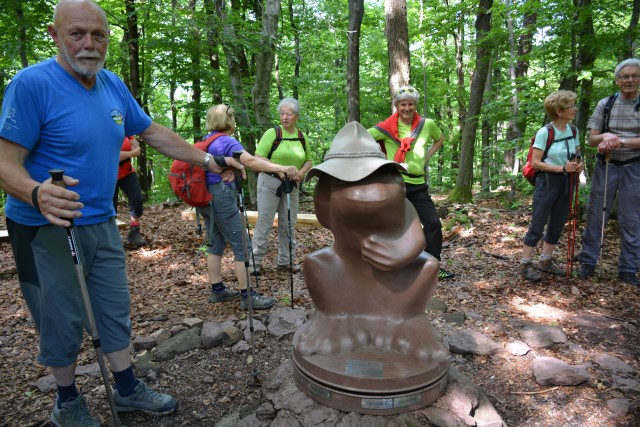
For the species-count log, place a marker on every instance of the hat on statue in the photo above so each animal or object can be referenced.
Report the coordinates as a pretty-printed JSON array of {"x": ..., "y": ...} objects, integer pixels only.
[{"x": 353, "y": 155}]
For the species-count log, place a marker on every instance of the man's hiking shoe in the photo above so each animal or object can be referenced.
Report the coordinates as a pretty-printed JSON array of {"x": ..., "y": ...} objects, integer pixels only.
[
  {"x": 445, "y": 275},
  {"x": 73, "y": 413},
  {"x": 258, "y": 302},
  {"x": 530, "y": 273},
  {"x": 146, "y": 400},
  {"x": 549, "y": 266},
  {"x": 629, "y": 278},
  {"x": 226, "y": 295},
  {"x": 586, "y": 271},
  {"x": 285, "y": 267},
  {"x": 135, "y": 238},
  {"x": 255, "y": 271}
]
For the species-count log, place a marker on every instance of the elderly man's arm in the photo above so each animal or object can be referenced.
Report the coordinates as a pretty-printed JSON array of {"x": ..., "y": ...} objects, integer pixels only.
[
  {"x": 54, "y": 202},
  {"x": 172, "y": 145}
]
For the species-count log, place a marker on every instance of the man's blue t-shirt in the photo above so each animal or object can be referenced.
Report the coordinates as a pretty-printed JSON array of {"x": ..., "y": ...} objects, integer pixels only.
[
  {"x": 66, "y": 126},
  {"x": 224, "y": 145}
]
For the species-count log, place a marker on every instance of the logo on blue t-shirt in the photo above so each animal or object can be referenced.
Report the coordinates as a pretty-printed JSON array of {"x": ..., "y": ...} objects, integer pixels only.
[{"x": 117, "y": 116}]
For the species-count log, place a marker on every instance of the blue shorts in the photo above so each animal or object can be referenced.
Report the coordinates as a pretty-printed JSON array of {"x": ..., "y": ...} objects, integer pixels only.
[
  {"x": 49, "y": 283},
  {"x": 227, "y": 222}
]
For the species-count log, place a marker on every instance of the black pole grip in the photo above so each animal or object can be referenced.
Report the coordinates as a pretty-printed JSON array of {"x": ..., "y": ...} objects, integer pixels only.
[
  {"x": 57, "y": 178},
  {"x": 288, "y": 185},
  {"x": 237, "y": 173}
]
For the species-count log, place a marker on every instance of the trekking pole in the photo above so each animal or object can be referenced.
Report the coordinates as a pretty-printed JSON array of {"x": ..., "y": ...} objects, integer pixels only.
[
  {"x": 245, "y": 244},
  {"x": 287, "y": 188},
  {"x": 90, "y": 324},
  {"x": 607, "y": 157},
  {"x": 573, "y": 220}
]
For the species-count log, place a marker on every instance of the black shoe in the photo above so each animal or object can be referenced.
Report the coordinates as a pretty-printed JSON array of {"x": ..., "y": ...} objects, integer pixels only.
[
  {"x": 258, "y": 302},
  {"x": 629, "y": 278},
  {"x": 285, "y": 267},
  {"x": 445, "y": 275},
  {"x": 586, "y": 271},
  {"x": 135, "y": 238}
]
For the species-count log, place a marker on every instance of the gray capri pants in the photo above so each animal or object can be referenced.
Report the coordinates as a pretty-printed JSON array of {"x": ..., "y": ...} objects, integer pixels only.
[{"x": 50, "y": 287}]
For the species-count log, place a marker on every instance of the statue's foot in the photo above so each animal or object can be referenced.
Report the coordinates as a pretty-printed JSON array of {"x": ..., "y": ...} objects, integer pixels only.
[{"x": 326, "y": 335}]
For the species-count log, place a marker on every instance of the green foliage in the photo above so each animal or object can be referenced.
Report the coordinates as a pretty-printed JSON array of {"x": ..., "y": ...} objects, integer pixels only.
[{"x": 171, "y": 37}]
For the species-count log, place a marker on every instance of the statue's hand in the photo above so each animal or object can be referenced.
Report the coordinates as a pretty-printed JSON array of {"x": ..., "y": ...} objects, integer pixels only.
[{"x": 384, "y": 254}]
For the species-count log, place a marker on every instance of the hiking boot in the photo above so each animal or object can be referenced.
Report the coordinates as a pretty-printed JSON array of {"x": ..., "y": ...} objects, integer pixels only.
[
  {"x": 73, "y": 413},
  {"x": 629, "y": 278},
  {"x": 146, "y": 400},
  {"x": 445, "y": 275},
  {"x": 586, "y": 271},
  {"x": 255, "y": 271},
  {"x": 258, "y": 302},
  {"x": 530, "y": 273},
  {"x": 135, "y": 238},
  {"x": 549, "y": 266},
  {"x": 226, "y": 295},
  {"x": 285, "y": 267}
]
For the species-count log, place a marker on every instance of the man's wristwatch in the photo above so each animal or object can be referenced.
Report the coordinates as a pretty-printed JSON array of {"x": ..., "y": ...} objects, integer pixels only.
[
  {"x": 205, "y": 162},
  {"x": 623, "y": 142}
]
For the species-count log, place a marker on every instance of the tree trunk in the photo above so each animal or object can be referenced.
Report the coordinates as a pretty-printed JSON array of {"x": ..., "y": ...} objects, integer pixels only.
[
  {"x": 356, "y": 13},
  {"x": 196, "y": 89},
  {"x": 462, "y": 191},
  {"x": 232, "y": 48},
  {"x": 631, "y": 34},
  {"x": 397, "y": 34},
  {"x": 22, "y": 35},
  {"x": 296, "y": 41},
  {"x": 264, "y": 62},
  {"x": 131, "y": 38}
]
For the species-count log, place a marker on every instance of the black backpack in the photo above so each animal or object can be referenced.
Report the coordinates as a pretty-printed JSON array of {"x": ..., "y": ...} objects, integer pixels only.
[{"x": 279, "y": 139}]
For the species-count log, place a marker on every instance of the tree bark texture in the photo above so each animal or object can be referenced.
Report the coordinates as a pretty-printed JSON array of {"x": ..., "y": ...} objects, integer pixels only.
[
  {"x": 356, "y": 13},
  {"x": 397, "y": 34},
  {"x": 462, "y": 191},
  {"x": 264, "y": 63}
]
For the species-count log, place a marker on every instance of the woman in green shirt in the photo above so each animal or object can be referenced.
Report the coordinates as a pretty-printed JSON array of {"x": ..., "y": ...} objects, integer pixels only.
[{"x": 284, "y": 145}]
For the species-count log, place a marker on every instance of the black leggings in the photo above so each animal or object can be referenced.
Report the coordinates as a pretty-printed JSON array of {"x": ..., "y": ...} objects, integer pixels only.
[
  {"x": 420, "y": 198},
  {"x": 131, "y": 188}
]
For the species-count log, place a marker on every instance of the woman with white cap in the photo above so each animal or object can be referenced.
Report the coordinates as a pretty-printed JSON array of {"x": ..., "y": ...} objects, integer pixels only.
[{"x": 410, "y": 139}]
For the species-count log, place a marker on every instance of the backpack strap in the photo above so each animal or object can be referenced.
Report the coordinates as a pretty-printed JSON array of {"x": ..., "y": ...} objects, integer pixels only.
[
  {"x": 279, "y": 139},
  {"x": 551, "y": 134},
  {"x": 607, "y": 112}
]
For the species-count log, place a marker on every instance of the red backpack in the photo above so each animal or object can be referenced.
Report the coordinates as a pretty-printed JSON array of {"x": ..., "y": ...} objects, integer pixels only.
[
  {"x": 528, "y": 171},
  {"x": 188, "y": 181}
]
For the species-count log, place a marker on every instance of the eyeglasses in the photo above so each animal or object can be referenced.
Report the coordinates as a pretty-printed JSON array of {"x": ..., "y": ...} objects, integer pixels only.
[
  {"x": 405, "y": 89},
  {"x": 227, "y": 110},
  {"x": 631, "y": 77}
]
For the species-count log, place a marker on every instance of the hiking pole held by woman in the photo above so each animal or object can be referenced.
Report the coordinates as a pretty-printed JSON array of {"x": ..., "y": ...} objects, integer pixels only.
[
  {"x": 574, "y": 183},
  {"x": 90, "y": 323},
  {"x": 246, "y": 243},
  {"x": 287, "y": 188}
]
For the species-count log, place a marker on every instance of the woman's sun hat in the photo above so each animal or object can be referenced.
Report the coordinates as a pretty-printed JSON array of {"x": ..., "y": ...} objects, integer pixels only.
[{"x": 353, "y": 155}]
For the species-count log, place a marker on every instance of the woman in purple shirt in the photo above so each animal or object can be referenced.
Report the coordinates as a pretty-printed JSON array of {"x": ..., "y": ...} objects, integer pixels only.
[{"x": 222, "y": 219}]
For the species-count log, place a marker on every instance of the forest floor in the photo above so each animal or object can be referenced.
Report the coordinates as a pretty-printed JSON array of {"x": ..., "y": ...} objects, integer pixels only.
[{"x": 168, "y": 280}]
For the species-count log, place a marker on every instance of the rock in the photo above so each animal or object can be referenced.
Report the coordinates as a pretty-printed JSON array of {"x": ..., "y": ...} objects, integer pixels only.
[
  {"x": 258, "y": 328},
  {"x": 542, "y": 336},
  {"x": 625, "y": 385},
  {"x": 552, "y": 371},
  {"x": 496, "y": 329},
  {"x": 620, "y": 407},
  {"x": 241, "y": 345},
  {"x": 181, "y": 343},
  {"x": 144, "y": 343},
  {"x": 470, "y": 341},
  {"x": 175, "y": 330},
  {"x": 454, "y": 317},
  {"x": 284, "y": 321},
  {"x": 440, "y": 417},
  {"x": 192, "y": 322},
  {"x": 434, "y": 305},
  {"x": 161, "y": 335},
  {"x": 518, "y": 348},
  {"x": 231, "y": 335},
  {"x": 144, "y": 363},
  {"x": 211, "y": 335},
  {"x": 613, "y": 364}
]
